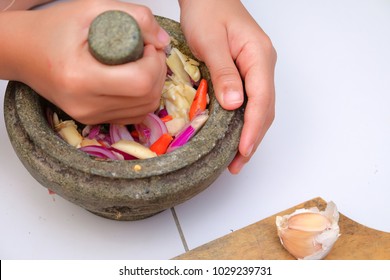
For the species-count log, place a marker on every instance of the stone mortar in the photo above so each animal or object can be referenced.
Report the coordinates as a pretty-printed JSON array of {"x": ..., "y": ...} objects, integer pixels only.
[{"x": 116, "y": 189}]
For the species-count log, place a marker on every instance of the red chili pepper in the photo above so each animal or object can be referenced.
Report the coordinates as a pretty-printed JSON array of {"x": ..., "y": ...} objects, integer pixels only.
[
  {"x": 200, "y": 100},
  {"x": 161, "y": 145},
  {"x": 167, "y": 118}
]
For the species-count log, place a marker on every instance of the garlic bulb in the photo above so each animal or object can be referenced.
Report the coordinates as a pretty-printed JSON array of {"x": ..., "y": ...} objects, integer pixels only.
[{"x": 309, "y": 234}]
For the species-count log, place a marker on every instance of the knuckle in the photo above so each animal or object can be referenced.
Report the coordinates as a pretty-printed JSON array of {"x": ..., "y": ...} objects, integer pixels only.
[
  {"x": 226, "y": 79},
  {"x": 144, "y": 86},
  {"x": 226, "y": 73},
  {"x": 150, "y": 84},
  {"x": 69, "y": 80},
  {"x": 268, "y": 47},
  {"x": 144, "y": 15}
]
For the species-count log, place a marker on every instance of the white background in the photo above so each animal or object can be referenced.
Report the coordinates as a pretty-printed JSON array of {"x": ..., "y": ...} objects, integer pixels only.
[{"x": 330, "y": 138}]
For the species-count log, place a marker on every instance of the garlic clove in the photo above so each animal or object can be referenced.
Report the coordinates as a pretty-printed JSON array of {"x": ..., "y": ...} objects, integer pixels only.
[
  {"x": 183, "y": 67},
  {"x": 192, "y": 69},
  {"x": 89, "y": 142},
  {"x": 190, "y": 66},
  {"x": 174, "y": 63},
  {"x": 68, "y": 131},
  {"x": 175, "y": 125},
  {"x": 309, "y": 222},
  {"x": 300, "y": 243},
  {"x": 177, "y": 100},
  {"x": 309, "y": 233},
  {"x": 134, "y": 148},
  {"x": 188, "y": 92}
]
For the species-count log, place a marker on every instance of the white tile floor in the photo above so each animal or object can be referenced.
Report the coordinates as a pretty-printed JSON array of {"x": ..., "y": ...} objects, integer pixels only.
[{"x": 330, "y": 138}]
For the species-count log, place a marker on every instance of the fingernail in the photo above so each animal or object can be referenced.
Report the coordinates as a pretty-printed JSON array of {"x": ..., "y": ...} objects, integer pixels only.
[
  {"x": 249, "y": 150},
  {"x": 233, "y": 98},
  {"x": 163, "y": 37}
]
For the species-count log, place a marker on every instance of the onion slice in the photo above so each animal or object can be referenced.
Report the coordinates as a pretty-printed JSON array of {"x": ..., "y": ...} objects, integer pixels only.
[
  {"x": 99, "y": 151},
  {"x": 188, "y": 131},
  {"x": 151, "y": 129},
  {"x": 162, "y": 113},
  {"x": 122, "y": 154},
  {"x": 119, "y": 132},
  {"x": 94, "y": 131}
]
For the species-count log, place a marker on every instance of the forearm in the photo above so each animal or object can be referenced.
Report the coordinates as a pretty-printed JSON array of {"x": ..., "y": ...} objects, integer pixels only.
[
  {"x": 14, "y": 43},
  {"x": 16, "y": 39},
  {"x": 9, "y": 5}
]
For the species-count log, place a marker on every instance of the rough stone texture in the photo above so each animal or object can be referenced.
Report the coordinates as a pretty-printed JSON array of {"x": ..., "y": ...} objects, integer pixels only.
[
  {"x": 115, "y": 189},
  {"x": 115, "y": 38}
]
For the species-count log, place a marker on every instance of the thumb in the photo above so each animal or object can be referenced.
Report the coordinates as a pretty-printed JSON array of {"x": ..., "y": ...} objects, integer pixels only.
[{"x": 226, "y": 79}]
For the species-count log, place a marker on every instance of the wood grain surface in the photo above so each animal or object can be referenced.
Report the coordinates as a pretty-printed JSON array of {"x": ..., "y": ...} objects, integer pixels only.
[{"x": 260, "y": 241}]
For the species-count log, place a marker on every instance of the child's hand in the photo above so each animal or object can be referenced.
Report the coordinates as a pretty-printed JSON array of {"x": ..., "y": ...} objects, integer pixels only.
[
  {"x": 52, "y": 57},
  {"x": 224, "y": 35}
]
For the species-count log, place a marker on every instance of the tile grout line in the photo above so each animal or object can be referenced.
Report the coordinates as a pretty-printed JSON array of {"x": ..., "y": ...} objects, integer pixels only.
[{"x": 179, "y": 229}]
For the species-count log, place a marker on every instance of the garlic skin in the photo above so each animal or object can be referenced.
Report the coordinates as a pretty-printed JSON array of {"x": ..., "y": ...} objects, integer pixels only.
[{"x": 309, "y": 234}]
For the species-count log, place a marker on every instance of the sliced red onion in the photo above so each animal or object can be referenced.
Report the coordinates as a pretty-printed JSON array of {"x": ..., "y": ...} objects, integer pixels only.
[
  {"x": 119, "y": 132},
  {"x": 144, "y": 134},
  {"x": 118, "y": 155},
  {"x": 99, "y": 151},
  {"x": 124, "y": 155},
  {"x": 94, "y": 132},
  {"x": 86, "y": 130},
  {"x": 151, "y": 129},
  {"x": 182, "y": 138},
  {"x": 188, "y": 132},
  {"x": 105, "y": 138},
  {"x": 162, "y": 113}
]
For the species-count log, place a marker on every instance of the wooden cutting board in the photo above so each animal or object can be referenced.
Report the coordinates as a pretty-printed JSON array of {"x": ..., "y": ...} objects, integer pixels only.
[{"x": 260, "y": 241}]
